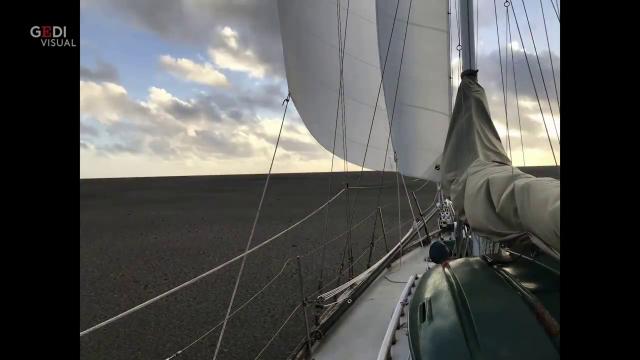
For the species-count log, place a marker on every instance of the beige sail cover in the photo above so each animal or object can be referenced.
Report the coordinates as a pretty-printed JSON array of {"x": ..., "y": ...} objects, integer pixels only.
[{"x": 497, "y": 200}]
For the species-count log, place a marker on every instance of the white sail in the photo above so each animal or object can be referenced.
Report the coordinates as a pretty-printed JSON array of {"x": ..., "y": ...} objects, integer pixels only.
[
  {"x": 309, "y": 31},
  {"x": 422, "y": 105}
]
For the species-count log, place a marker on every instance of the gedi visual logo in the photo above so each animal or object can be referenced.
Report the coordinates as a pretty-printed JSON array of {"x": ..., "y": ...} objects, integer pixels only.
[{"x": 52, "y": 36}]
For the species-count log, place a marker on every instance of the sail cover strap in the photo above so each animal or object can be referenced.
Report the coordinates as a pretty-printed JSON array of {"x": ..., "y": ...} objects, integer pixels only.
[{"x": 495, "y": 199}]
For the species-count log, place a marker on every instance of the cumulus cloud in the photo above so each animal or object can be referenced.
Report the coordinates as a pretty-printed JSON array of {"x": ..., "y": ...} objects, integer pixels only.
[
  {"x": 167, "y": 127},
  {"x": 255, "y": 23},
  {"x": 232, "y": 57},
  {"x": 189, "y": 70},
  {"x": 106, "y": 102}
]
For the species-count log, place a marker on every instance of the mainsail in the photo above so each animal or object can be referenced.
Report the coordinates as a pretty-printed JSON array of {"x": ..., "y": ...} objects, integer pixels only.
[{"x": 310, "y": 36}]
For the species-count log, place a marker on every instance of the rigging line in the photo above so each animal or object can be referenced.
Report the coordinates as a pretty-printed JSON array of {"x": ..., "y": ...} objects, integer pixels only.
[
  {"x": 393, "y": 114},
  {"x": 295, "y": 349},
  {"x": 340, "y": 82},
  {"x": 459, "y": 46},
  {"x": 555, "y": 10},
  {"x": 534, "y": 85},
  {"x": 544, "y": 83},
  {"x": 340, "y": 94},
  {"x": 333, "y": 154},
  {"x": 504, "y": 91},
  {"x": 205, "y": 334},
  {"x": 278, "y": 331},
  {"x": 209, "y": 272},
  {"x": 344, "y": 109},
  {"x": 409, "y": 201},
  {"x": 365, "y": 274},
  {"x": 349, "y": 239},
  {"x": 449, "y": 57},
  {"x": 506, "y": 82},
  {"x": 399, "y": 215},
  {"x": 384, "y": 165},
  {"x": 326, "y": 224},
  {"x": 476, "y": 44},
  {"x": 375, "y": 108},
  {"x": 355, "y": 261},
  {"x": 553, "y": 71},
  {"x": 515, "y": 88},
  {"x": 422, "y": 186},
  {"x": 393, "y": 110},
  {"x": 344, "y": 133},
  {"x": 389, "y": 136},
  {"x": 253, "y": 229},
  {"x": 341, "y": 235},
  {"x": 373, "y": 237},
  {"x": 362, "y": 221},
  {"x": 340, "y": 288},
  {"x": 341, "y": 51}
]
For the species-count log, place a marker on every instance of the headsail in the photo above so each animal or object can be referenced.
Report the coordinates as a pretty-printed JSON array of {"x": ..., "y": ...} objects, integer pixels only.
[
  {"x": 309, "y": 31},
  {"x": 422, "y": 103}
]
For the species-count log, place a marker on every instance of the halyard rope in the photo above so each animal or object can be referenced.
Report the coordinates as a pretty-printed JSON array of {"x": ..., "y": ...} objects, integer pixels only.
[{"x": 253, "y": 230}]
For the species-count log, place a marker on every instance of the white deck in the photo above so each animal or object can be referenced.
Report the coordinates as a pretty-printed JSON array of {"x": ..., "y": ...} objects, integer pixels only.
[{"x": 360, "y": 331}]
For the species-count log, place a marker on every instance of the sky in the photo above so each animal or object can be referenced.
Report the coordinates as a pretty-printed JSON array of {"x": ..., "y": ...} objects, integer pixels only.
[{"x": 195, "y": 87}]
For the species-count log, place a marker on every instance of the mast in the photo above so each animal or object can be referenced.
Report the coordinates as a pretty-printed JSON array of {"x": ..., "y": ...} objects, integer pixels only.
[
  {"x": 499, "y": 202},
  {"x": 467, "y": 35}
]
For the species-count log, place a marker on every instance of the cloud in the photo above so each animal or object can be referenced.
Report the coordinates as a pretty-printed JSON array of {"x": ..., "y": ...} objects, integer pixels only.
[
  {"x": 87, "y": 130},
  {"x": 106, "y": 102},
  {"x": 85, "y": 145},
  {"x": 526, "y": 109},
  {"x": 102, "y": 72},
  {"x": 237, "y": 125},
  {"x": 255, "y": 23},
  {"x": 162, "y": 147},
  {"x": 295, "y": 139},
  {"x": 232, "y": 57},
  {"x": 189, "y": 70},
  {"x": 212, "y": 142},
  {"x": 169, "y": 128}
]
